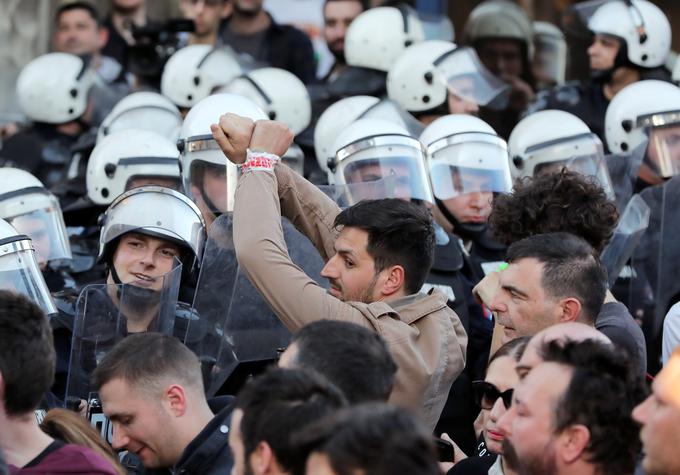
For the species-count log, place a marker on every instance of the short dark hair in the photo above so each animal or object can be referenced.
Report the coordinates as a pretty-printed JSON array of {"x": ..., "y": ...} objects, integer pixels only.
[
  {"x": 514, "y": 349},
  {"x": 278, "y": 400},
  {"x": 565, "y": 201},
  {"x": 571, "y": 268},
  {"x": 144, "y": 359},
  {"x": 372, "y": 438},
  {"x": 602, "y": 393},
  {"x": 399, "y": 233},
  {"x": 79, "y": 5},
  {"x": 27, "y": 356},
  {"x": 355, "y": 359}
]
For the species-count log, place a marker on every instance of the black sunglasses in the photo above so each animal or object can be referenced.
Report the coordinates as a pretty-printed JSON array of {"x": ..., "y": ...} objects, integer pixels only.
[{"x": 486, "y": 395}]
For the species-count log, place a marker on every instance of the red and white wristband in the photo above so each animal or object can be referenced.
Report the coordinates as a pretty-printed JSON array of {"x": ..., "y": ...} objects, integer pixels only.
[{"x": 259, "y": 161}]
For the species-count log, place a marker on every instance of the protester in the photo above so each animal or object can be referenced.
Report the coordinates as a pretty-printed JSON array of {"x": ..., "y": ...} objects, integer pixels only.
[
  {"x": 151, "y": 389},
  {"x": 27, "y": 361},
  {"x": 373, "y": 273},
  {"x": 659, "y": 416},
  {"x": 207, "y": 16},
  {"x": 369, "y": 438},
  {"x": 555, "y": 424},
  {"x": 355, "y": 359},
  {"x": 337, "y": 16},
  {"x": 266, "y": 411}
]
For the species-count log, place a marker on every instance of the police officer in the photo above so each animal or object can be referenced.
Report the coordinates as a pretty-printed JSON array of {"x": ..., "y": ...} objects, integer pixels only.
[
  {"x": 631, "y": 42},
  {"x": 52, "y": 91},
  {"x": 28, "y": 206}
]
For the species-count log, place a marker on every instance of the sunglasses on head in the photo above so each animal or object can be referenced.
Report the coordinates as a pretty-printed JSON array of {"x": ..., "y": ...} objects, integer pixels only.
[{"x": 486, "y": 395}]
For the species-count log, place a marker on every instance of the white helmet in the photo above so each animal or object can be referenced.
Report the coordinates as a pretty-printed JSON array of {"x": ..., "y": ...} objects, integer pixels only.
[
  {"x": 538, "y": 146},
  {"x": 159, "y": 212},
  {"x": 294, "y": 158},
  {"x": 279, "y": 93},
  {"x": 333, "y": 121},
  {"x": 413, "y": 80},
  {"x": 420, "y": 78},
  {"x": 376, "y": 38},
  {"x": 201, "y": 155},
  {"x": 384, "y": 159},
  {"x": 143, "y": 110},
  {"x": 54, "y": 88},
  {"x": 465, "y": 156},
  {"x": 195, "y": 72},
  {"x": 499, "y": 19},
  {"x": 640, "y": 24},
  {"x": 19, "y": 269},
  {"x": 646, "y": 110},
  {"x": 28, "y": 206},
  {"x": 124, "y": 156}
]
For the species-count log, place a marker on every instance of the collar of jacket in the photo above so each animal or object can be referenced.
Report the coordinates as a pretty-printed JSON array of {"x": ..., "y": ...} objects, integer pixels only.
[
  {"x": 409, "y": 308},
  {"x": 209, "y": 448}
]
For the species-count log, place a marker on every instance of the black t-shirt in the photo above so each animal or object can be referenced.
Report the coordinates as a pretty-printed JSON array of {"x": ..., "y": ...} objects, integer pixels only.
[
  {"x": 473, "y": 466},
  {"x": 615, "y": 321}
]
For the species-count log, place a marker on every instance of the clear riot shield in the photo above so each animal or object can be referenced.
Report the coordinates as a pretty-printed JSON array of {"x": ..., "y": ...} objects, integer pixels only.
[
  {"x": 655, "y": 287},
  {"x": 233, "y": 331},
  {"x": 632, "y": 224},
  {"x": 623, "y": 172},
  {"x": 105, "y": 314}
]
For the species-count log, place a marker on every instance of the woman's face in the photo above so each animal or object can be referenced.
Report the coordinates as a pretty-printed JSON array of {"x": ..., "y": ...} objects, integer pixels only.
[{"x": 502, "y": 374}]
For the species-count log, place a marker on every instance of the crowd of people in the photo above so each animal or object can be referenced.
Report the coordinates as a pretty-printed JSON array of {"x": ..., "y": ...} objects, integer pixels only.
[{"x": 433, "y": 257}]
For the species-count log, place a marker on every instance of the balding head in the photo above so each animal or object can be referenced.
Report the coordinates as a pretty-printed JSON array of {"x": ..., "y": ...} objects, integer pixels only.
[{"x": 573, "y": 331}]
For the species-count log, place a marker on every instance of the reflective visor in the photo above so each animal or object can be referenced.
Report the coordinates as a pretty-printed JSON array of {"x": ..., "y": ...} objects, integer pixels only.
[
  {"x": 466, "y": 77},
  {"x": 398, "y": 158},
  {"x": 19, "y": 272},
  {"x": 663, "y": 152},
  {"x": 469, "y": 163}
]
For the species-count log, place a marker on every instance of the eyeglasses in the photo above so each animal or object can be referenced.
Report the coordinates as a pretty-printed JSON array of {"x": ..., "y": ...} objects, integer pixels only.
[{"x": 486, "y": 395}]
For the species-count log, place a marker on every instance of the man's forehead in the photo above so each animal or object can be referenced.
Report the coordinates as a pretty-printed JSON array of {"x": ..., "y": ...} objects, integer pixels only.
[
  {"x": 546, "y": 382},
  {"x": 151, "y": 239},
  {"x": 352, "y": 239}
]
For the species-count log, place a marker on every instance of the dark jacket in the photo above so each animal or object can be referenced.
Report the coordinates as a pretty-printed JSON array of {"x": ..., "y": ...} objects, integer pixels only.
[{"x": 287, "y": 48}]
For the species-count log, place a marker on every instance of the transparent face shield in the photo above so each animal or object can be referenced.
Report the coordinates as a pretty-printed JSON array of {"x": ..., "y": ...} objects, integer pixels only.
[
  {"x": 469, "y": 163},
  {"x": 37, "y": 214},
  {"x": 467, "y": 78},
  {"x": 435, "y": 27},
  {"x": 582, "y": 153},
  {"x": 155, "y": 119},
  {"x": 399, "y": 160},
  {"x": 210, "y": 179},
  {"x": 550, "y": 59},
  {"x": 135, "y": 181},
  {"x": 576, "y": 17},
  {"x": 19, "y": 272},
  {"x": 663, "y": 151}
]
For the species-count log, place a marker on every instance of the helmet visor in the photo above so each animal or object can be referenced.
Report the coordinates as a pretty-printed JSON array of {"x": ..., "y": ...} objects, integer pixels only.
[
  {"x": 392, "y": 112},
  {"x": 582, "y": 153},
  {"x": 397, "y": 159},
  {"x": 469, "y": 163},
  {"x": 663, "y": 152},
  {"x": 550, "y": 58},
  {"x": 467, "y": 78},
  {"x": 19, "y": 272},
  {"x": 44, "y": 224}
]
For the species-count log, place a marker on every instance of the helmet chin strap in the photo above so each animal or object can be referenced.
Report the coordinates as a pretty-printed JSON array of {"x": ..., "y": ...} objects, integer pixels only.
[
  {"x": 211, "y": 206},
  {"x": 471, "y": 231}
]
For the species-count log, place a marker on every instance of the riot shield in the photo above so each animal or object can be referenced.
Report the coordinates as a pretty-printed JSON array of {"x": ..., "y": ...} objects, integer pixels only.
[
  {"x": 623, "y": 172},
  {"x": 653, "y": 286},
  {"x": 632, "y": 224},
  {"x": 105, "y": 314},
  {"x": 232, "y": 329}
]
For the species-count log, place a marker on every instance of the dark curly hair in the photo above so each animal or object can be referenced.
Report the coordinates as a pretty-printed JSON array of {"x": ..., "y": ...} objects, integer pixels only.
[
  {"x": 601, "y": 395},
  {"x": 564, "y": 201}
]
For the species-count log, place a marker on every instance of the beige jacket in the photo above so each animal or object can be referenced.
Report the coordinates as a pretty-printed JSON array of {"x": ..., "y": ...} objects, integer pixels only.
[{"x": 424, "y": 335}]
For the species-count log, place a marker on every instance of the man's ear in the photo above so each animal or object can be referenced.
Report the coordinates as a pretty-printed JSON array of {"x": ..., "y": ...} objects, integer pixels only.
[
  {"x": 262, "y": 459},
  {"x": 393, "y": 280},
  {"x": 571, "y": 310},
  {"x": 174, "y": 398},
  {"x": 572, "y": 443}
]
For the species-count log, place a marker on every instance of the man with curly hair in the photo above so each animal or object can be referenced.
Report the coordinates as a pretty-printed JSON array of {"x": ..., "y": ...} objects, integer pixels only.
[{"x": 570, "y": 202}]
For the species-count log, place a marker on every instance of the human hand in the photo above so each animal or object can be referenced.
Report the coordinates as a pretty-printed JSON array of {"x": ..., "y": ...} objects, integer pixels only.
[
  {"x": 233, "y": 135},
  {"x": 521, "y": 93},
  {"x": 272, "y": 137}
]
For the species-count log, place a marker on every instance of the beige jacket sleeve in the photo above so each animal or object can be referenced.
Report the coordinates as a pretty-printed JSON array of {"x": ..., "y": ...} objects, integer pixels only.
[
  {"x": 261, "y": 250},
  {"x": 308, "y": 208}
]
